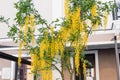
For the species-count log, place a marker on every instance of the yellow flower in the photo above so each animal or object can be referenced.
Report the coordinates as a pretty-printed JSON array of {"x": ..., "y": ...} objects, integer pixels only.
[
  {"x": 43, "y": 47},
  {"x": 32, "y": 28},
  {"x": 66, "y": 6},
  {"x": 84, "y": 69},
  {"x": 75, "y": 17},
  {"x": 81, "y": 26},
  {"x": 26, "y": 29},
  {"x": 26, "y": 25},
  {"x": 85, "y": 39},
  {"x": 105, "y": 19},
  {"x": 20, "y": 53},
  {"x": 77, "y": 61},
  {"x": 52, "y": 48},
  {"x": 94, "y": 10}
]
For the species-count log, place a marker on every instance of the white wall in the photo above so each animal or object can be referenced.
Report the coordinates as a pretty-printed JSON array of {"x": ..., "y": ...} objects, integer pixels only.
[
  {"x": 44, "y": 7},
  {"x": 7, "y": 9},
  {"x": 49, "y": 9},
  {"x": 57, "y": 9}
]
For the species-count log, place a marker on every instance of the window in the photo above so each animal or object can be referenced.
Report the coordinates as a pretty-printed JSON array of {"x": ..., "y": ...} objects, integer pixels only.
[{"x": 92, "y": 72}]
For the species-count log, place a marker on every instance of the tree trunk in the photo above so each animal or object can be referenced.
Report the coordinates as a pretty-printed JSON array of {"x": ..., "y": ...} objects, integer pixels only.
[
  {"x": 62, "y": 76},
  {"x": 71, "y": 76}
]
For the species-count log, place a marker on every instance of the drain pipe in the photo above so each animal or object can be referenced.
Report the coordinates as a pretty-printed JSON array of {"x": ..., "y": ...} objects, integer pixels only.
[{"x": 117, "y": 57}]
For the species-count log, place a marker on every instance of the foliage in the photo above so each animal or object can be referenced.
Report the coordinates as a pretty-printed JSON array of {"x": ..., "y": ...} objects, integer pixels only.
[
  {"x": 3, "y": 20},
  {"x": 49, "y": 48}
]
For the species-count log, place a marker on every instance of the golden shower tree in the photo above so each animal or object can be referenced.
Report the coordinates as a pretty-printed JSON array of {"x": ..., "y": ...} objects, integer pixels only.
[{"x": 50, "y": 46}]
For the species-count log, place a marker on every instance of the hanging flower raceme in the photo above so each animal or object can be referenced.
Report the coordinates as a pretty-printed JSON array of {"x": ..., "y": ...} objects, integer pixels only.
[
  {"x": 35, "y": 62},
  {"x": 67, "y": 11},
  {"x": 44, "y": 44},
  {"x": 76, "y": 23},
  {"x": 52, "y": 48},
  {"x": 47, "y": 51},
  {"x": 94, "y": 10},
  {"x": 61, "y": 40},
  {"x": 20, "y": 53},
  {"x": 105, "y": 19},
  {"x": 52, "y": 42},
  {"x": 60, "y": 46},
  {"x": 85, "y": 39},
  {"x": 84, "y": 69},
  {"x": 64, "y": 34},
  {"x": 26, "y": 26},
  {"x": 25, "y": 29},
  {"x": 43, "y": 47},
  {"x": 81, "y": 27},
  {"x": 20, "y": 48},
  {"x": 29, "y": 21},
  {"x": 46, "y": 72},
  {"x": 77, "y": 61},
  {"x": 46, "y": 75},
  {"x": 32, "y": 28}
]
